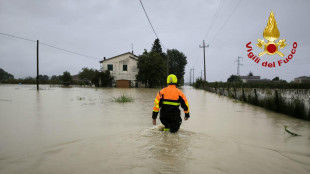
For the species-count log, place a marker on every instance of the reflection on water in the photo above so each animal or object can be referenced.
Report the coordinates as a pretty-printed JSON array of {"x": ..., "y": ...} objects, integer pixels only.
[{"x": 80, "y": 130}]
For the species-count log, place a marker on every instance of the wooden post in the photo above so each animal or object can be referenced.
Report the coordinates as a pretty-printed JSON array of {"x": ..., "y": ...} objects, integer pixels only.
[
  {"x": 255, "y": 93},
  {"x": 277, "y": 101},
  {"x": 243, "y": 95},
  {"x": 37, "y": 64}
]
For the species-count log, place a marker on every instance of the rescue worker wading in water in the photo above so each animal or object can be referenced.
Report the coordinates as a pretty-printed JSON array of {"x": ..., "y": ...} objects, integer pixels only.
[{"x": 168, "y": 100}]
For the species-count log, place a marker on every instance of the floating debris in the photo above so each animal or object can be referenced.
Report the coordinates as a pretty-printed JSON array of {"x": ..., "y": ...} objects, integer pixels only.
[{"x": 292, "y": 133}]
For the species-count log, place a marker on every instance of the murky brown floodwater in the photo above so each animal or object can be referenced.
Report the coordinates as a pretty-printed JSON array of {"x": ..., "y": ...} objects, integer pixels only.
[{"x": 79, "y": 130}]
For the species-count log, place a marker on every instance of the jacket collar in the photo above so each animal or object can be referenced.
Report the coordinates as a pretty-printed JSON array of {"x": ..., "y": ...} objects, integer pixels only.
[{"x": 171, "y": 86}]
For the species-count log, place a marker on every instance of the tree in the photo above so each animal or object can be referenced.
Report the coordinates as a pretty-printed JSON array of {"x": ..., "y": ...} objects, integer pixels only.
[
  {"x": 89, "y": 75},
  {"x": 29, "y": 80},
  {"x": 5, "y": 75},
  {"x": 234, "y": 78},
  {"x": 106, "y": 78},
  {"x": 66, "y": 78},
  {"x": 43, "y": 79},
  {"x": 157, "y": 47},
  {"x": 55, "y": 79},
  {"x": 276, "y": 79},
  {"x": 151, "y": 69},
  {"x": 176, "y": 63}
]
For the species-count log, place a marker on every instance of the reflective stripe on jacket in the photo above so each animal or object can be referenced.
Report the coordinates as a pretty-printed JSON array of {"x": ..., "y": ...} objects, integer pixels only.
[{"x": 169, "y": 99}]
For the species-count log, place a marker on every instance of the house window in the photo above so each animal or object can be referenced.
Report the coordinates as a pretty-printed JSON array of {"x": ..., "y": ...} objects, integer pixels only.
[
  {"x": 110, "y": 67},
  {"x": 124, "y": 67}
]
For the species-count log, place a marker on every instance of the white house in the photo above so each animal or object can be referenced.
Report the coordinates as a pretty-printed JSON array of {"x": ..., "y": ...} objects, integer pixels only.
[
  {"x": 249, "y": 78},
  {"x": 123, "y": 68},
  {"x": 254, "y": 79},
  {"x": 302, "y": 79}
]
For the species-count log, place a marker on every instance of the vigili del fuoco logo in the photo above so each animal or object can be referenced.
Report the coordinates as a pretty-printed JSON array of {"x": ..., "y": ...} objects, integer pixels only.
[{"x": 272, "y": 47}]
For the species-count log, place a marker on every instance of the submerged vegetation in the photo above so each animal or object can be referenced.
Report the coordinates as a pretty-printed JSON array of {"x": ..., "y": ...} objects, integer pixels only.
[
  {"x": 292, "y": 133},
  {"x": 123, "y": 99}
]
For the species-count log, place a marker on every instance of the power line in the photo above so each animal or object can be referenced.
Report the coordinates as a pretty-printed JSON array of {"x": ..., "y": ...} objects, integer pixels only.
[
  {"x": 18, "y": 37},
  {"x": 49, "y": 46},
  {"x": 69, "y": 51},
  {"x": 151, "y": 23},
  {"x": 225, "y": 22},
  {"x": 148, "y": 19},
  {"x": 210, "y": 26},
  {"x": 214, "y": 18}
]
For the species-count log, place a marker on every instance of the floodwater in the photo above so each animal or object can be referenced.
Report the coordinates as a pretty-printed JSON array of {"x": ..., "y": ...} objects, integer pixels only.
[{"x": 80, "y": 130}]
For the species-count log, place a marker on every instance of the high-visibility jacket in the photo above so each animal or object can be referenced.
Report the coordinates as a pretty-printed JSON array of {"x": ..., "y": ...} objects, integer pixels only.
[{"x": 169, "y": 99}]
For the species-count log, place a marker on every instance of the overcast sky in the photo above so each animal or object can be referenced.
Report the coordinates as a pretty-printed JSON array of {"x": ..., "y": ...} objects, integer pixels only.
[{"x": 106, "y": 28}]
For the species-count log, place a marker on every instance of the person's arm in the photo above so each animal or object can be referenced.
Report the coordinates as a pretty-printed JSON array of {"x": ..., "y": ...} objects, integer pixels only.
[
  {"x": 156, "y": 108},
  {"x": 184, "y": 105}
]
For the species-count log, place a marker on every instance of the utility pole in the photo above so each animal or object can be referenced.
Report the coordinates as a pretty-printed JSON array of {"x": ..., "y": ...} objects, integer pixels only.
[
  {"x": 193, "y": 75},
  {"x": 190, "y": 77},
  {"x": 37, "y": 64},
  {"x": 204, "y": 58},
  {"x": 187, "y": 80},
  {"x": 238, "y": 65}
]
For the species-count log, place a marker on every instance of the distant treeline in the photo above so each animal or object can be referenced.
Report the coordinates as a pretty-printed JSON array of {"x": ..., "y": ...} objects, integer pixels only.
[
  {"x": 85, "y": 77},
  {"x": 33, "y": 80}
]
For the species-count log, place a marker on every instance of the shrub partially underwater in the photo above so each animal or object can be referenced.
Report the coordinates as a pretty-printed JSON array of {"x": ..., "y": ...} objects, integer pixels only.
[{"x": 123, "y": 99}]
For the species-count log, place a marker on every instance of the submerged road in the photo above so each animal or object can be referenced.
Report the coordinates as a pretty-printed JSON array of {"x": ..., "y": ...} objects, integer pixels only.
[{"x": 81, "y": 130}]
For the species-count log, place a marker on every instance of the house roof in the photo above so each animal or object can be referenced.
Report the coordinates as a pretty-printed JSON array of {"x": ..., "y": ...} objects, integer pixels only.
[
  {"x": 132, "y": 56},
  {"x": 302, "y": 77}
]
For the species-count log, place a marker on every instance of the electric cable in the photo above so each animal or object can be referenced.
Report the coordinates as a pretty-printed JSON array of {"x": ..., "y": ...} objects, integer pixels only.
[
  {"x": 18, "y": 37},
  {"x": 220, "y": 30},
  {"x": 151, "y": 23},
  {"x": 148, "y": 19},
  {"x": 50, "y": 46},
  {"x": 68, "y": 51},
  {"x": 214, "y": 18}
]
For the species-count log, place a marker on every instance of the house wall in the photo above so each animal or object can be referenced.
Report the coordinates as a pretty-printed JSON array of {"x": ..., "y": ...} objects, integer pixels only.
[
  {"x": 304, "y": 79},
  {"x": 118, "y": 63}
]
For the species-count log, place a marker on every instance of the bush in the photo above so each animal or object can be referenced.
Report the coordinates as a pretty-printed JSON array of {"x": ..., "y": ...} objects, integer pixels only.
[{"x": 123, "y": 99}]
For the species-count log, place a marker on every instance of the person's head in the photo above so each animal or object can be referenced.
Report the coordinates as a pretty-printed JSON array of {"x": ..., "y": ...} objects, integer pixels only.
[{"x": 172, "y": 79}]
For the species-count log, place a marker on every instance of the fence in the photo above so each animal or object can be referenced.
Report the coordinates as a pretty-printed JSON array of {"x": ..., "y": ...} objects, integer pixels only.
[{"x": 293, "y": 102}]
